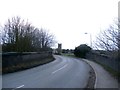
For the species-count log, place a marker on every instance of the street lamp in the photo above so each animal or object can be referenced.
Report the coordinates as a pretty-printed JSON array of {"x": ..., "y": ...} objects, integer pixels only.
[{"x": 90, "y": 39}]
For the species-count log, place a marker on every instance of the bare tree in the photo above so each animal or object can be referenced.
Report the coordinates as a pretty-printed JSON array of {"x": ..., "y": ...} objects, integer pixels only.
[
  {"x": 16, "y": 31},
  {"x": 43, "y": 39},
  {"x": 47, "y": 39},
  {"x": 21, "y": 36},
  {"x": 109, "y": 40}
]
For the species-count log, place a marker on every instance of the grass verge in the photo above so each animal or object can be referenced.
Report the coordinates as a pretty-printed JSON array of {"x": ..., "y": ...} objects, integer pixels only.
[{"x": 68, "y": 54}]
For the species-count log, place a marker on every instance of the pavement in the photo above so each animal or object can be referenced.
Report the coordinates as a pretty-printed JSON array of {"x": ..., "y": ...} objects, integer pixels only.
[
  {"x": 64, "y": 72},
  {"x": 103, "y": 78}
]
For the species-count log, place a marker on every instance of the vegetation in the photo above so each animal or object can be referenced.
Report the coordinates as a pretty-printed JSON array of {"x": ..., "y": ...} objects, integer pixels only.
[
  {"x": 82, "y": 50},
  {"x": 68, "y": 54},
  {"x": 109, "y": 40},
  {"x": 67, "y": 50},
  {"x": 21, "y": 36}
]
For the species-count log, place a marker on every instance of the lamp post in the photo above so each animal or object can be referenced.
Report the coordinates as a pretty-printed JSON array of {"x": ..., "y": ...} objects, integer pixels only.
[{"x": 90, "y": 39}]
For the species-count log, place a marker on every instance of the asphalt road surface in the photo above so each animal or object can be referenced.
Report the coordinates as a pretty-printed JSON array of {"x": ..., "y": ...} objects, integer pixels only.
[{"x": 64, "y": 72}]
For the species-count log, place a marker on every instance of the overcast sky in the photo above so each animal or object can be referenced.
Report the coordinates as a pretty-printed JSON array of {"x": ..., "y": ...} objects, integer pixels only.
[{"x": 68, "y": 20}]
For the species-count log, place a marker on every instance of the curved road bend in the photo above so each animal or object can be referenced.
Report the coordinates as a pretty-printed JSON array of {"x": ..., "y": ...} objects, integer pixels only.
[{"x": 64, "y": 72}]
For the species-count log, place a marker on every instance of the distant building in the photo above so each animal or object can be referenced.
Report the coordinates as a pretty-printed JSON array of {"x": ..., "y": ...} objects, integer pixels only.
[{"x": 59, "y": 48}]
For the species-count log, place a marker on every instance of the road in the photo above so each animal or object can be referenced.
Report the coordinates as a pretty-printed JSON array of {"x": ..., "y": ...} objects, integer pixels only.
[{"x": 64, "y": 72}]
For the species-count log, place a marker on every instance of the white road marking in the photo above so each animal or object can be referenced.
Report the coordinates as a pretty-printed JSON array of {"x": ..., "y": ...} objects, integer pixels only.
[
  {"x": 59, "y": 69},
  {"x": 18, "y": 87}
]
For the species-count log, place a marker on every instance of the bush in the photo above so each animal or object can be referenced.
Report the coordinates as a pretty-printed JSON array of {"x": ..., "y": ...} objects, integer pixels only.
[{"x": 82, "y": 50}]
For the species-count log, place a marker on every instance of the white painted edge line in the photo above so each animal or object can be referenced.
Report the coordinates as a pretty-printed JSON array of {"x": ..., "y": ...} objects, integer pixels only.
[
  {"x": 18, "y": 87},
  {"x": 94, "y": 71},
  {"x": 59, "y": 69}
]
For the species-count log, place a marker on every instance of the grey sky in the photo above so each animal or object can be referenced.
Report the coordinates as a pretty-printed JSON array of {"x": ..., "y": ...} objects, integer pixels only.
[{"x": 68, "y": 20}]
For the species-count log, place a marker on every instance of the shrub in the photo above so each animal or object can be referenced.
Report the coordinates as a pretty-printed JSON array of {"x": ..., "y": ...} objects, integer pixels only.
[{"x": 82, "y": 50}]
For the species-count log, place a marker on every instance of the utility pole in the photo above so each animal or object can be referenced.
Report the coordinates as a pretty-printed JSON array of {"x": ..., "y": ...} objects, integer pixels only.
[{"x": 90, "y": 39}]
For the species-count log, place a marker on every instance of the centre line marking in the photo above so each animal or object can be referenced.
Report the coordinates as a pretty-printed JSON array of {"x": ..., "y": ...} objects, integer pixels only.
[
  {"x": 59, "y": 69},
  {"x": 18, "y": 87}
]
